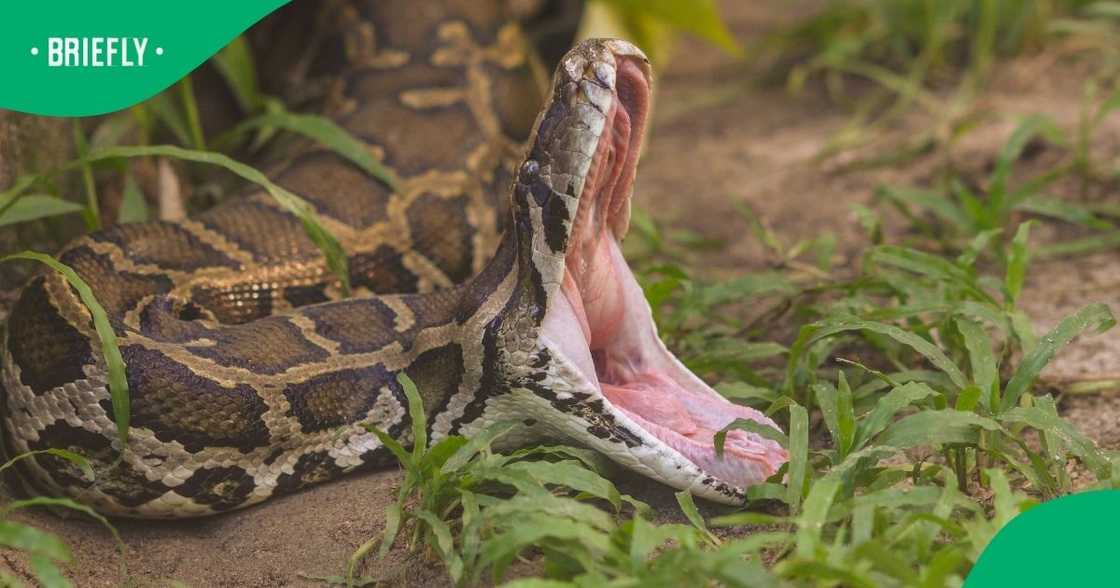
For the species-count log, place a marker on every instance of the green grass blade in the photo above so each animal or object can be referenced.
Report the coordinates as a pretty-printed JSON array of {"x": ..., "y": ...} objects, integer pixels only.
[
  {"x": 1094, "y": 317},
  {"x": 936, "y": 427},
  {"x": 74, "y": 458},
  {"x": 47, "y": 573},
  {"x": 688, "y": 507},
  {"x": 810, "y": 524},
  {"x": 985, "y": 371},
  {"x": 845, "y": 415},
  {"x": 445, "y": 543},
  {"x": 31, "y": 207},
  {"x": 134, "y": 207},
  {"x": 93, "y": 207},
  {"x": 74, "y": 506},
  {"x": 416, "y": 413},
  {"x": 798, "y": 454},
  {"x": 33, "y": 541},
  {"x": 1064, "y": 211},
  {"x": 236, "y": 65},
  {"x": 1092, "y": 244},
  {"x": 1017, "y": 264},
  {"x": 1051, "y": 423},
  {"x": 750, "y": 426},
  {"x": 327, "y": 243},
  {"x": 927, "y": 264},
  {"x": 114, "y": 362},
  {"x": 832, "y": 326},
  {"x": 572, "y": 474},
  {"x": 699, "y": 17},
  {"x": 327, "y": 133},
  {"x": 888, "y": 406},
  {"x": 190, "y": 109}
]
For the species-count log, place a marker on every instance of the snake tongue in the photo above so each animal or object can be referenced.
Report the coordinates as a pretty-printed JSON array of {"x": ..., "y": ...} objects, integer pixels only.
[{"x": 603, "y": 325}]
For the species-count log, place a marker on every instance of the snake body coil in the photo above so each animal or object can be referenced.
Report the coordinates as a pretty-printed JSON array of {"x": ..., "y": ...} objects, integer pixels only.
[{"x": 250, "y": 377}]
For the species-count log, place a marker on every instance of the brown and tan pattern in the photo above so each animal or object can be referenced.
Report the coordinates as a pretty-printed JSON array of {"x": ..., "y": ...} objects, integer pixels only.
[{"x": 249, "y": 377}]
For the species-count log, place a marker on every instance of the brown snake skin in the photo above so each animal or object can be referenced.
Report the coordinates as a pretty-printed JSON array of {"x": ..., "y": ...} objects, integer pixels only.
[{"x": 250, "y": 377}]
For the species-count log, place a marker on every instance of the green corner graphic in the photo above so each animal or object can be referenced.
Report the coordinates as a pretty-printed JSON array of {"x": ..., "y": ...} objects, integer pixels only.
[
  {"x": 1069, "y": 541},
  {"x": 87, "y": 58}
]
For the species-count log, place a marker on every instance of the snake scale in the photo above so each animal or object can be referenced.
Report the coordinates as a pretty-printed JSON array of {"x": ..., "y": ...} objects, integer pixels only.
[{"x": 251, "y": 377}]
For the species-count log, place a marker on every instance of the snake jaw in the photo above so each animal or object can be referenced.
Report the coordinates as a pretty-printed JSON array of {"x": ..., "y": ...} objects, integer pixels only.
[{"x": 623, "y": 392}]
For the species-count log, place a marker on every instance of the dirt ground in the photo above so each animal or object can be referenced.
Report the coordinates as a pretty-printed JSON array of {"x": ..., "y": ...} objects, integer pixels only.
[{"x": 719, "y": 137}]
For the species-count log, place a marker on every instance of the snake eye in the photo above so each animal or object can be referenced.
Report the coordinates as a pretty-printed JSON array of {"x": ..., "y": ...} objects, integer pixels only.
[{"x": 529, "y": 171}]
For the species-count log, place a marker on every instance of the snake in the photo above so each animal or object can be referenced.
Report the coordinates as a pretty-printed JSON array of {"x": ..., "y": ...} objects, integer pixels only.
[{"x": 491, "y": 275}]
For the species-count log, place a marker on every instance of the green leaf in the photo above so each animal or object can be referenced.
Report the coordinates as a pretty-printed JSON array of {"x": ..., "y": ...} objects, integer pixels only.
[
  {"x": 477, "y": 442},
  {"x": 940, "y": 205},
  {"x": 571, "y": 474},
  {"x": 134, "y": 207},
  {"x": 74, "y": 458},
  {"x": 929, "y": 265},
  {"x": 236, "y": 65},
  {"x": 976, "y": 246},
  {"x": 1065, "y": 211},
  {"x": 985, "y": 371},
  {"x": 416, "y": 414},
  {"x": 327, "y": 243},
  {"x": 698, "y": 17},
  {"x": 47, "y": 572},
  {"x": 445, "y": 544},
  {"x": 31, "y": 540},
  {"x": 845, "y": 417},
  {"x": 30, "y": 207},
  {"x": 688, "y": 507},
  {"x": 66, "y": 503},
  {"x": 1094, "y": 317},
  {"x": 826, "y": 328},
  {"x": 327, "y": 133},
  {"x": 1051, "y": 423},
  {"x": 810, "y": 524},
  {"x": 92, "y": 211},
  {"x": 1029, "y": 128},
  {"x": 1017, "y": 264},
  {"x": 936, "y": 427},
  {"x": 750, "y": 426},
  {"x": 114, "y": 362},
  {"x": 798, "y": 453}
]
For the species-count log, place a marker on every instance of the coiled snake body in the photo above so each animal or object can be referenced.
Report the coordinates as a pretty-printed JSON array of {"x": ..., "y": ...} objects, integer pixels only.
[{"x": 249, "y": 377}]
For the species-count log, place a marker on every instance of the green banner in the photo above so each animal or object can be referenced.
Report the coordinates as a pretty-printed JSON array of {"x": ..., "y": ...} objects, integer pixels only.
[
  {"x": 82, "y": 58},
  {"x": 1068, "y": 541}
]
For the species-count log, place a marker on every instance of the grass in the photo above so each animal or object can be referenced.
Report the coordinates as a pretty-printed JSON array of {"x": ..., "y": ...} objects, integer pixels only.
[
  {"x": 937, "y": 56},
  {"x": 905, "y": 386},
  {"x": 44, "y": 551},
  {"x": 924, "y": 447}
]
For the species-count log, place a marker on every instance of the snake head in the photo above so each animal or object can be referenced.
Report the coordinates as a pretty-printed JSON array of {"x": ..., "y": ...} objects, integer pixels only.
[{"x": 601, "y": 376}]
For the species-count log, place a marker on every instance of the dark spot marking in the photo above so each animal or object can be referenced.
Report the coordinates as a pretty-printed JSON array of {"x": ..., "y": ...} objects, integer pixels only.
[
  {"x": 310, "y": 468},
  {"x": 179, "y": 405},
  {"x": 48, "y": 350},
  {"x": 335, "y": 399},
  {"x": 359, "y": 325},
  {"x": 269, "y": 346},
  {"x": 221, "y": 488},
  {"x": 304, "y": 295},
  {"x": 382, "y": 271}
]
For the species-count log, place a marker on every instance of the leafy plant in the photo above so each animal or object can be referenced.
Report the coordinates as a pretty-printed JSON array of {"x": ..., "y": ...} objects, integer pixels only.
[{"x": 46, "y": 551}]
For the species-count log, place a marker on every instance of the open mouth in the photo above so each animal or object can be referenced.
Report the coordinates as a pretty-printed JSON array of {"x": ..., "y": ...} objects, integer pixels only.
[{"x": 601, "y": 323}]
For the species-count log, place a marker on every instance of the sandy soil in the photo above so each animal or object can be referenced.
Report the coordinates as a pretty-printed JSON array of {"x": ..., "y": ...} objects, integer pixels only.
[{"x": 719, "y": 138}]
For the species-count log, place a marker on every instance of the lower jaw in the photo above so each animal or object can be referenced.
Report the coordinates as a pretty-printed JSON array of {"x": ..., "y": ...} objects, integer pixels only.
[{"x": 613, "y": 343}]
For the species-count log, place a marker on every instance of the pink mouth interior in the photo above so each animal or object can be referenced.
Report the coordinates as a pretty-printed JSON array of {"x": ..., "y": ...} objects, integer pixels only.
[{"x": 615, "y": 343}]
